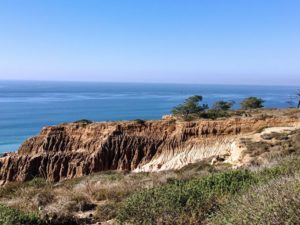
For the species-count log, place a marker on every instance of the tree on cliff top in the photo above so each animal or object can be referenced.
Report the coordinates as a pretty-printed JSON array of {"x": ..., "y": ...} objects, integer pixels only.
[
  {"x": 223, "y": 105},
  {"x": 252, "y": 103},
  {"x": 190, "y": 107}
]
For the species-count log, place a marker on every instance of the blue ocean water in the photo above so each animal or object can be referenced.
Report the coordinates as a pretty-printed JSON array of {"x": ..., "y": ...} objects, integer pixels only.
[{"x": 27, "y": 106}]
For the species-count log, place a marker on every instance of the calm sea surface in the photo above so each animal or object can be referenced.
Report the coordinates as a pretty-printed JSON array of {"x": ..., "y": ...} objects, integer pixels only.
[{"x": 27, "y": 106}]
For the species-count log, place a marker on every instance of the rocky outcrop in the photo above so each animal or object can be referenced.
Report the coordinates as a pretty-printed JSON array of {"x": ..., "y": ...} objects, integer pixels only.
[{"x": 77, "y": 149}]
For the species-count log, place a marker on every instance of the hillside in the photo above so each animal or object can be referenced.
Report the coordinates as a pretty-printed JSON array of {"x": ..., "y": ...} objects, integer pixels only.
[
  {"x": 157, "y": 172},
  {"x": 77, "y": 149}
]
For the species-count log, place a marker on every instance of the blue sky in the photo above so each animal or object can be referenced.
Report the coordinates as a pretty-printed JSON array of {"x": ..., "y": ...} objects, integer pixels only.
[{"x": 181, "y": 41}]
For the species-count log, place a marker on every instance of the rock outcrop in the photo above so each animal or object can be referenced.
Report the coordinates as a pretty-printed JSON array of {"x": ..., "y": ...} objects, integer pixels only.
[{"x": 77, "y": 149}]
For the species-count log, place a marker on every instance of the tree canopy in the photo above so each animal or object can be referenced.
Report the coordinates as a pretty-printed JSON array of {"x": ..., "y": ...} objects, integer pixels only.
[
  {"x": 252, "y": 103},
  {"x": 190, "y": 107},
  {"x": 223, "y": 105}
]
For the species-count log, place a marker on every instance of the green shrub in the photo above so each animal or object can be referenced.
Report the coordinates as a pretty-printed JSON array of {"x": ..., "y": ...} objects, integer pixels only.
[
  {"x": 195, "y": 200},
  {"x": 183, "y": 201},
  {"x": 9, "y": 216},
  {"x": 214, "y": 114},
  {"x": 139, "y": 121},
  {"x": 84, "y": 121}
]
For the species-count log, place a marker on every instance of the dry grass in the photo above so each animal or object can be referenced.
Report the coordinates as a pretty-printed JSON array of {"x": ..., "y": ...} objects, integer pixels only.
[
  {"x": 99, "y": 193},
  {"x": 276, "y": 203},
  {"x": 272, "y": 146},
  {"x": 106, "y": 211}
]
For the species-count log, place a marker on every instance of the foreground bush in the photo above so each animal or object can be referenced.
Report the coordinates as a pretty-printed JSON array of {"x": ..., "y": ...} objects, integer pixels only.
[
  {"x": 183, "y": 202},
  {"x": 10, "y": 216},
  {"x": 194, "y": 201}
]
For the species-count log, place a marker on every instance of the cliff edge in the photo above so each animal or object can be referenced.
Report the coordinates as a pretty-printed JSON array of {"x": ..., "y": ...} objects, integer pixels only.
[{"x": 77, "y": 149}]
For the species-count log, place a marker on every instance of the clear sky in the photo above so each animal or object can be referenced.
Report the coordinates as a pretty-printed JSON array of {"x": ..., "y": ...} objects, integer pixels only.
[{"x": 188, "y": 41}]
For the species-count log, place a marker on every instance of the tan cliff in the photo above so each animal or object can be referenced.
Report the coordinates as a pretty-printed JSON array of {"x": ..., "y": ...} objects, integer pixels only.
[{"x": 73, "y": 150}]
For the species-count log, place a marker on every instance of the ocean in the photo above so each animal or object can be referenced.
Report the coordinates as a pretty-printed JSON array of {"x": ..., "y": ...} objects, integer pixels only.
[{"x": 27, "y": 106}]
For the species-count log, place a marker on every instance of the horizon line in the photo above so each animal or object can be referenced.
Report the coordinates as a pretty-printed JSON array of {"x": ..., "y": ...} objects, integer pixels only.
[{"x": 147, "y": 82}]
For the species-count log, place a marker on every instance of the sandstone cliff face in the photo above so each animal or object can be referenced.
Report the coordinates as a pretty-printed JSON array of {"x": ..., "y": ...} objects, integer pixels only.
[{"x": 74, "y": 150}]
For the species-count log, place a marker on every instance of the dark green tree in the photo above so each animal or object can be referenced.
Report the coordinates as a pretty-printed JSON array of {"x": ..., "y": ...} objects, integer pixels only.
[
  {"x": 190, "y": 107},
  {"x": 252, "y": 103},
  {"x": 223, "y": 105}
]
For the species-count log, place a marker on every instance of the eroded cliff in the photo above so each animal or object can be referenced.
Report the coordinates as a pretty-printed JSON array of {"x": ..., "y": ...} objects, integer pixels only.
[{"x": 76, "y": 149}]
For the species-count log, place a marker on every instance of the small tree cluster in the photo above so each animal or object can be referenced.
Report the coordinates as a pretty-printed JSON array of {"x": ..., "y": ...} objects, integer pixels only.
[
  {"x": 191, "y": 107},
  {"x": 252, "y": 103}
]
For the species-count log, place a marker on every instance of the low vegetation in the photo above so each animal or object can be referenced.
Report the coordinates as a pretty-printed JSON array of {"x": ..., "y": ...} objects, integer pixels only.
[
  {"x": 198, "y": 201},
  {"x": 191, "y": 108},
  {"x": 197, "y": 194},
  {"x": 183, "y": 202},
  {"x": 11, "y": 216},
  {"x": 139, "y": 121},
  {"x": 83, "y": 121},
  {"x": 276, "y": 202},
  {"x": 273, "y": 145}
]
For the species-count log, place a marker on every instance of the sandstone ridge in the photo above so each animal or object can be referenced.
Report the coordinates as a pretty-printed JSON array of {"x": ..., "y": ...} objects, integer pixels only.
[{"x": 77, "y": 149}]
